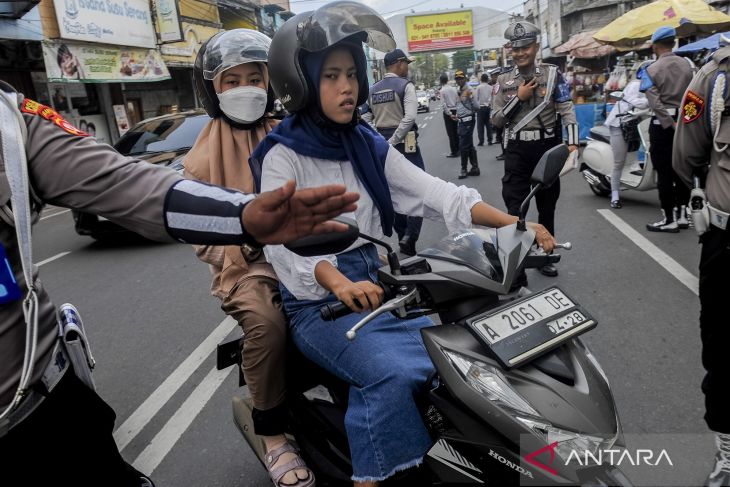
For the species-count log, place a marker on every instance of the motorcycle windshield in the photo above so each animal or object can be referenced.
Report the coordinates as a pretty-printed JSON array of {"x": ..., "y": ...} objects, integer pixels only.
[{"x": 471, "y": 249}]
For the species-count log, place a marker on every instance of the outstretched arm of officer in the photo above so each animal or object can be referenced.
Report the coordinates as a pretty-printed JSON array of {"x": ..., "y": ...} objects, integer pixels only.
[{"x": 693, "y": 138}]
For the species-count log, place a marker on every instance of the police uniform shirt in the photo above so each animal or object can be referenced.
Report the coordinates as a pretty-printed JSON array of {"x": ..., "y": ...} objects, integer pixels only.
[
  {"x": 69, "y": 168},
  {"x": 388, "y": 111},
  {"x": 664, "y": 83},
  {"x": 693, "y": 141},
  {"x": 508, "y": 109},
  {"x": 466, "y": 104},
  {"x": 449, "y": 97}
]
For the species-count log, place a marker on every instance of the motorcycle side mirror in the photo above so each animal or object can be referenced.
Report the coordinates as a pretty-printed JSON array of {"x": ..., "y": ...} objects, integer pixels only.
[
  {"x": 326, "y": 243},
  {"x": 618, "y": 95},
  {"x": 544, "y": 175}
]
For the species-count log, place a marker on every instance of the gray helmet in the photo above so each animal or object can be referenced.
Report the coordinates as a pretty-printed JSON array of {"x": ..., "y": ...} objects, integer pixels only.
[
  {"x": 315, "y": 31},
  {"x": 224, "y": 51}
]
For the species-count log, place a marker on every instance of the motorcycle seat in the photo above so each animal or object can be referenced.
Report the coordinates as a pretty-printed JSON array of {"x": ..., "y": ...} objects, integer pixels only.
[{"x": 601, "y": 133}]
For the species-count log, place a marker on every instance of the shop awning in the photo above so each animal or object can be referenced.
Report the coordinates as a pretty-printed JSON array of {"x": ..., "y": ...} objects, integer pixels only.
[
  {"x": 689, "y": 17},
  {"x": 711, "y": 43},
  {"x": 584, "y": 46}
]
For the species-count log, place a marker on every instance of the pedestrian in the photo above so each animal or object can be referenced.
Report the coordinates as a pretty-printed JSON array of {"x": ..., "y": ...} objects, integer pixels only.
[
  {"x": 526, "y": 104},
  {"x": 393, "y": 108},
  {"x": 231, "y": 80},
  {"x": 54, "y": 427},
  {"x": 618, "y": 123},
  {"x": 493, "y": 76},
  {"x": 664, "y": 82},
  {"x": 701, "y": 149},
  {"x": 484, "y": 100},
  {"x": 387, "y": 368},
  {"x": 466, "y": 110},
  {"x": 449, "y": 97}
]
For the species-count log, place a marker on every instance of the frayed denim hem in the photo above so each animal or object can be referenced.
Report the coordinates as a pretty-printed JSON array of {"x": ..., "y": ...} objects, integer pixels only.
[{"x": 399, "y": 468}]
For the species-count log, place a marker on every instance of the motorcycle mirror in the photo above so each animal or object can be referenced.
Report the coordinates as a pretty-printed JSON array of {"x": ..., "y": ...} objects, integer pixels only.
[
  {"x": 619, "y": 95},
  {"x": 550, "y": 165},
  {"x": 326, "y": 243}
]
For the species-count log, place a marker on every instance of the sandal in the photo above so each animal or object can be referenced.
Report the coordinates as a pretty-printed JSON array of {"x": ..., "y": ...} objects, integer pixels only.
[{"x": 277, "y": 473}]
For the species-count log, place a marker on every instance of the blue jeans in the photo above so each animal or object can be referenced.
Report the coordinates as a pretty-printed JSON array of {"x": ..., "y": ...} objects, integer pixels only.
[{"x": 386, "y": 366}]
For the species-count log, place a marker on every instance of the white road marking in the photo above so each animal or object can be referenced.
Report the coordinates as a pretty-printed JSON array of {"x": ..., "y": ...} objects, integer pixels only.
[
  {"x": 672, "y": 266},
  {"x": 165, "y": 440},
  {"x": 54, "y": 214},
  {"x": 136, "y": 422},
  {"x": 424, "y": 125},
  {"x": 51, "y": 259}
]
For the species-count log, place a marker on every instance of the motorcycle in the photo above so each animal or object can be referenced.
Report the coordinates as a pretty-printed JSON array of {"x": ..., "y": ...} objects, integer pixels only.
[
  {"x": 597, "y": 156},
  {"x": 516, "y": 389}
]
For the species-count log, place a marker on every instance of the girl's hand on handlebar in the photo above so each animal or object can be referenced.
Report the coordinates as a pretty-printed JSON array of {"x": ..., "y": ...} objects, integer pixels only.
[
  {"x": 543, "y": 237},
  {"x": 359, "y": 296}
]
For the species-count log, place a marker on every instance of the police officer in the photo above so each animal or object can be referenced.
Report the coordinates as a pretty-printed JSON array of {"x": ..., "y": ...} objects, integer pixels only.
[
  {"x": 701, "y": 148},
  {"x": 664, "y": 82},
  {"x": 466, "y": 111},
  {"x": 527, "y": 101},
  {"x": 449, "y": 97},
  {"x": 484, "y": 100},
  {"x": 393, "y": 108},
  {"x": 54, "y": 429}
]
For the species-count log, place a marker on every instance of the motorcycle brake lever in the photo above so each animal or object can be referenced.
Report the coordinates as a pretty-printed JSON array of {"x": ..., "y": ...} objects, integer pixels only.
[{"x": 390, "y": 305}]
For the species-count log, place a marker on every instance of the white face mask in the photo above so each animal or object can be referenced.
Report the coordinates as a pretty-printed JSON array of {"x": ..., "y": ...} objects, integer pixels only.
[{"x": 244, "y": 104}]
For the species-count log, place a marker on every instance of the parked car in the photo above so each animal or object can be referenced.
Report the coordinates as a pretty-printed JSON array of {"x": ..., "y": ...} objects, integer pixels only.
[
  {"x": 164, "y": 141},
  {"x": 431, "y": 94},
  {"x": 423, "y": 101}
]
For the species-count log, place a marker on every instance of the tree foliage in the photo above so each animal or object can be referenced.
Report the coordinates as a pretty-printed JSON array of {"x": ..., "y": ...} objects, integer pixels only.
[
  {"x": 428, "y": 67},
  {"x": 463, "y": 59}
]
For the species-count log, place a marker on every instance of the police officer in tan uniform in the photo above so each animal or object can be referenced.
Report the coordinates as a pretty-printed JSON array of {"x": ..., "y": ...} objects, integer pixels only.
[
  {"x": 57, "y": 425},
  {"x": 701, "y": 148},
  {"x": 526, "y": 103}
]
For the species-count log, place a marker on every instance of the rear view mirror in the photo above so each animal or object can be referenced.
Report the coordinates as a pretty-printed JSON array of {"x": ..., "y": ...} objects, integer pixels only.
[
  {"x": 618, "y": 95},
  {"x": 551, "y": 163},
  {"x": 326, "y": 243}
]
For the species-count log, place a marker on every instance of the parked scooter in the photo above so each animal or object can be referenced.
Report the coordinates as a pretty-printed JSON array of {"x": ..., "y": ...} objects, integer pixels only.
[
  {"x": 598, "y": 158},
  {"x": 516, "y": 389}
]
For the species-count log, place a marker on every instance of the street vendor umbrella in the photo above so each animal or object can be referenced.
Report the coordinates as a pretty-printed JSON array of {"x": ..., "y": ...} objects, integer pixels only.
[
  {"x": 711, "y": 43},
  {"x": 584, "y": 46},
  {"x": 689, "y": 17}
]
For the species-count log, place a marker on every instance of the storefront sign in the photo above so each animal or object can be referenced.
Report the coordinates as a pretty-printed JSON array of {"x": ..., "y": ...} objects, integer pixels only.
[
  {"x": 94, "y": 63},
  {"x": 168, "y": 21},
  {"x": 120, "y": 22},
  {"x": 449, "y": 30},
  {"x": 120, "y": 115},
  {"x": 183, "y": 53}
]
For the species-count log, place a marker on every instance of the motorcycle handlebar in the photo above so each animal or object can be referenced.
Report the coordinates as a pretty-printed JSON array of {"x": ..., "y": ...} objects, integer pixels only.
[{"x": 338, "y": 309}]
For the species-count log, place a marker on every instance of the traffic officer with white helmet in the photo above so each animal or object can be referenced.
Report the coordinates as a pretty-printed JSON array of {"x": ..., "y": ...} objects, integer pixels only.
[
  {"x": 54, "y": 428},
  {"x": 702, "y": 150},
  {"x": 393, "y": 108},
  {"x": 664, "y": 82},
  {"x": 526, "y": 103}
]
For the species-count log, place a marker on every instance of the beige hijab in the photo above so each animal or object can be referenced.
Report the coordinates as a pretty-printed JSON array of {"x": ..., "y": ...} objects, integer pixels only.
[{"x": 220, "y": 156}]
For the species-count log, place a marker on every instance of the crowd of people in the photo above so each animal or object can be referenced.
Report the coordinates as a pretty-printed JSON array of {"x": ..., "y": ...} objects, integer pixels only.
[{"x": 275, "y": 294}]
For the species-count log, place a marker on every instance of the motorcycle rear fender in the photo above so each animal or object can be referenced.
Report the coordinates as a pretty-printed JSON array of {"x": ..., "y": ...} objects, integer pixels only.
[{"x": 598, "y": 156}]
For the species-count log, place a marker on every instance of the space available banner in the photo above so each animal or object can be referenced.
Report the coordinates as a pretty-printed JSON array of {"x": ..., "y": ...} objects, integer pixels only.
[{"x": 95, "y": 63}]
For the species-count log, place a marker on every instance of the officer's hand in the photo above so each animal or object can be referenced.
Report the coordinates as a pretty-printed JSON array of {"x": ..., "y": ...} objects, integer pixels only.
[
  {"x": 285, "y": 214},
  {"x": 543, "y": 237},
  {"x": 525, "y": 90},
  {"x": 572, "y": 148}
]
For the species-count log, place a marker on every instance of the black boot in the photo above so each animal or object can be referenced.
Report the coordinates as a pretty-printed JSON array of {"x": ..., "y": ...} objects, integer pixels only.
[
  {"x": 474, "y": 171},
  {"x": 464, "y": 162}
]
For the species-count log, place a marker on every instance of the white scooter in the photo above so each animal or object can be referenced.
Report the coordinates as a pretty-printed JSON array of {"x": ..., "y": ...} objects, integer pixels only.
[{"x": 597, "y": 164}]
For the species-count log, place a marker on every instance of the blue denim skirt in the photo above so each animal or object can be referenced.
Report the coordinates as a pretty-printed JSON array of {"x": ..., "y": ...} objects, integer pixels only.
[{"x": 386, "y": 366}]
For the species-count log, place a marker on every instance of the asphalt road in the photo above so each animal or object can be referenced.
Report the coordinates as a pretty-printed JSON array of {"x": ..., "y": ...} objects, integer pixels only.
[{"x": 153, "y": 325}]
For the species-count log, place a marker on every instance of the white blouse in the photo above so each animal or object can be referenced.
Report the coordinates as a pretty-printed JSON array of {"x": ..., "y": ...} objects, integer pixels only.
[{"x": 414, "y": 192}]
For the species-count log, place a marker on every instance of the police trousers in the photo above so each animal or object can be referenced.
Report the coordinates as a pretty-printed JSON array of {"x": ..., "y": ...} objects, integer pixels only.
[
  {"x": 66, "y": 440},
  {"x": 409, "y": 226},
  {"x": 451, "y": 125},
  {"x": 483, "y": 122},
  {"x": 255, "y": 303},
  {"x": 714, "y": 329},
  {"x": 672, "y": 191},
  {"x": 520, "y": 160}
]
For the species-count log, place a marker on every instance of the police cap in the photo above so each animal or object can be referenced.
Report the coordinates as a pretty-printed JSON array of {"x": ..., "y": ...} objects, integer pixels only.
[
  {"x": 664, "y": 34},
  {"x": 521, "y": 33}
]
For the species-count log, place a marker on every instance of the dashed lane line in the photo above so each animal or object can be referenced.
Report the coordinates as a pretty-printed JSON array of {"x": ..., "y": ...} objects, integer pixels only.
[
  {"x": 663, "y": 259},
  {"x": 136, "y": 422},
  {"x": 51, "y": 259}
]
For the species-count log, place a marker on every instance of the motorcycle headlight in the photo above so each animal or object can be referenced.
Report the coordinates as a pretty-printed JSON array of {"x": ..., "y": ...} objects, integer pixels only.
[
  {"x": 568, "y": 441},
  {"x": 489, "y": 382}
]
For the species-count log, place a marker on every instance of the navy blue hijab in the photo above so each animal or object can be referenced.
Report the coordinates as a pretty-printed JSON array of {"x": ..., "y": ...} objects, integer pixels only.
[{"x": 311, "y": 134}]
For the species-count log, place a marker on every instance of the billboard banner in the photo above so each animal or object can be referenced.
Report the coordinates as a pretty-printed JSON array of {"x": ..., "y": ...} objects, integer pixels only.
[
  {"x": 449, "y": 30},
  {"x": 126, "y": 23},
  {"x": 168, "y": 21},
  {"x": 94, "y": 63}
]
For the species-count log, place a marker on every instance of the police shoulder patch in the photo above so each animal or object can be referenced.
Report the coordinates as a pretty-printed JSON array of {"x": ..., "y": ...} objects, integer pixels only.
[
  {"x": 35, "y": 108},
  {"x": 692, "y": 107}
]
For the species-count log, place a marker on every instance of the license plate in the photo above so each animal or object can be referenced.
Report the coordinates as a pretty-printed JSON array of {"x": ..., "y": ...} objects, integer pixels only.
[{"x": 526, "y": 328}]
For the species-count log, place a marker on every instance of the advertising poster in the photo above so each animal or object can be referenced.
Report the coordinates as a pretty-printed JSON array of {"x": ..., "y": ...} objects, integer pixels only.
[
  {"x": 88, "y": 63},
  {"x": 168, "y": 21},
  {"x": 119, "y": 22},
  {"x": 450, "y": 30}
]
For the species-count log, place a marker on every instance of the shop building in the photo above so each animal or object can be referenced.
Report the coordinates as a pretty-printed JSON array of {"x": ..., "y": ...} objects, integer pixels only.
[{"x": 21, "y": 58}]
